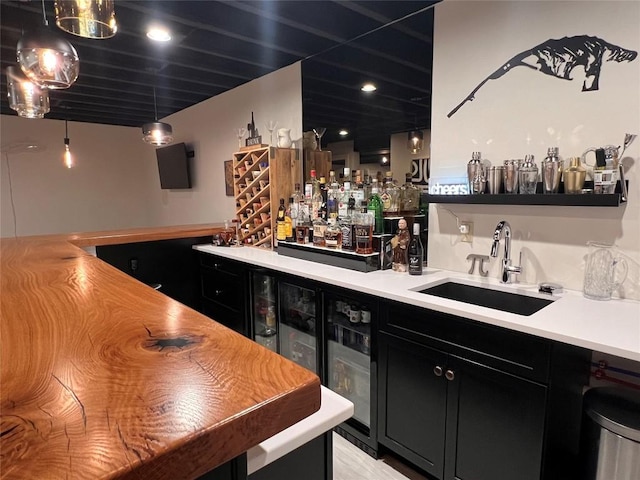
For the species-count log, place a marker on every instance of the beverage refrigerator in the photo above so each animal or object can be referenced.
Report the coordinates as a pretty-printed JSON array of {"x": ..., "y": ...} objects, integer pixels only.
[
  {"x": 283, "y": 319},
  {"x": 351, "y": 322}
]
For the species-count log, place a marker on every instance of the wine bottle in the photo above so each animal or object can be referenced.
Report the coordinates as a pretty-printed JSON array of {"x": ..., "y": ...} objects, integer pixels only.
[{"x": 415, "y": 252}]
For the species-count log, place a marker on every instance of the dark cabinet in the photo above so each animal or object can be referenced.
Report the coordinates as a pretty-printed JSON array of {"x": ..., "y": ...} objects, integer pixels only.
[
  {"x": 465, "y": 401},
  {"x": 495, "y": 424},
  {"x": 170, "y": 265},
  {"x": 413, "y": 402},
  {"x": 223, "y": 291}
]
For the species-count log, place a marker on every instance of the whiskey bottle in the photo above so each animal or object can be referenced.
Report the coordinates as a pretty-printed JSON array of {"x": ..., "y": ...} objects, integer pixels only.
[
  {"x": 333, "y": 235},
  {"x": 363, "y": 229}
]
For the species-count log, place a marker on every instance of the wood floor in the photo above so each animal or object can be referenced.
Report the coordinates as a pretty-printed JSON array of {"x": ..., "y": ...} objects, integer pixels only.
[{"x": 351, "y": 463}]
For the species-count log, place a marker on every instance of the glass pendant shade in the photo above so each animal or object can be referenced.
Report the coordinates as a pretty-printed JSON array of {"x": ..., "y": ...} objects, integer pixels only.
[
  {"x": 28, "y": 99},
  {"x": 87, "y": 18},
  {"x": 415, "y": 141},
  {"x": 157, "y": 133},
  {"x": 47, "y": 59}
]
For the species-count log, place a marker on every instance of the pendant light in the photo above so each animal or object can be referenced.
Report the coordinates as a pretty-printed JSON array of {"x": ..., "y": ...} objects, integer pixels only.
[
  {"x": 26, "y": 98},
  {"x": 415, "y": 141},
  {"x": 66, "y": 156},
  {"x": 157, "y": 133},
  {"x": 87, "y": 18},
  {"x": 46, "y": 58}
]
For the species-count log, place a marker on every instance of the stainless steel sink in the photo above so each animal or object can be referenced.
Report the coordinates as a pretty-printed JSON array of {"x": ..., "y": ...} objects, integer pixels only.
[{"x": 487, "y": 297}]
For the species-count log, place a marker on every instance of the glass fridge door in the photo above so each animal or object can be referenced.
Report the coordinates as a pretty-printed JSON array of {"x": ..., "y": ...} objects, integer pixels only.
[
  {"x": 265, "y": 326},
  {"x": 297, "y": 335},
  {"x": 348, "y": 353}
]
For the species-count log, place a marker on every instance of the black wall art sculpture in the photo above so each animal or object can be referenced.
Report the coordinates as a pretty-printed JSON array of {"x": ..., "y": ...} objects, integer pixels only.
[{"x": 559, "y": 57}]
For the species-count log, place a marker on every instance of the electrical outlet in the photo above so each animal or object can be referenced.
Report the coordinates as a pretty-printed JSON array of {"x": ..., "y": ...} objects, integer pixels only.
[
  {"x": 466, "y": 231},
  {"x": 133, "y": 264}
]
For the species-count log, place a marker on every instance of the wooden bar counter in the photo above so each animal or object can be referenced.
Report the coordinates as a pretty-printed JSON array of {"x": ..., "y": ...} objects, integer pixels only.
[{"x": 104, "y": 377}]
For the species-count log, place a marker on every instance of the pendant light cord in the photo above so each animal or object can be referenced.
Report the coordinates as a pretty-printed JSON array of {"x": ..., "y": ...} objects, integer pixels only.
[
  {"x": 44, "y": 15},
  {"x": 155, "y": 106}
]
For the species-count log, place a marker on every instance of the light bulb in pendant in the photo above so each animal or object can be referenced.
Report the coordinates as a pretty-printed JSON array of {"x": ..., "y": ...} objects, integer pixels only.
[
  {"x": 68, "y": 159},
  {"x": 66, "y": 156}
]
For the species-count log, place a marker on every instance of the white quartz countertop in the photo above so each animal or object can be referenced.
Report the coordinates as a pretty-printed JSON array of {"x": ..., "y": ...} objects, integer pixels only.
[
  {"x": 334, "y": 409},
  {"x": 611, "y": 327}
]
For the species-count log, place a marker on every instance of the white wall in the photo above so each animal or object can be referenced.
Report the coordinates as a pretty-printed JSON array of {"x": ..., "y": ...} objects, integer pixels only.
[
  {"x": 109, "y": 187},
  {"x": 210, "y": 128},
  {"x": 115, "y": 183},
  {"x": 524, "y": 112}
]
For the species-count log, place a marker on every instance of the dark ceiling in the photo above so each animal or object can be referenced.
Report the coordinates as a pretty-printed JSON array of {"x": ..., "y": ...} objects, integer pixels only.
[{"x": 219, "y": 45}]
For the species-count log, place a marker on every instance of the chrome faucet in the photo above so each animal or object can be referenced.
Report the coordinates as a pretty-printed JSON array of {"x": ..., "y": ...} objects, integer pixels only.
[{"x": 507, "y": 268}]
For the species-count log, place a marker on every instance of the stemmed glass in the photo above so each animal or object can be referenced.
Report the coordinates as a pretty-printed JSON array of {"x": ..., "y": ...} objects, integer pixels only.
[
  {"x": 271, "y": 126},
  {"x": 240, "y": 133},
  {"x": 319, "y": 132}
]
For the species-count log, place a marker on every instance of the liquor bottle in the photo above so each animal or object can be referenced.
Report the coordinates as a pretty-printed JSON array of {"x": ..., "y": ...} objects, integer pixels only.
[
  {"x": 316, "y": 197},
  {"x": 343, "y": 200},
  {"x": 281, "y": 228},
  {"x": 302, "y": 227},
  {"x": 323, "y": 193},
  {"x": 332, "y": 196},
  {"x": 363, "y": 229},
  {"x": 298, "y": 198},
  {"x": 390, "y": 196},
  {"x": 410, "y": 197},
  {"x": 358, "y": 190},
  {"x": 415, "y": 252},
  {"x": 333, "y": 235},
  {"x": 270, "y": 321},
  {"x": 374, "y": 205},
  {"x": 289, "y": 221},
  {"x": 346, "y": 224},
  {"x": 319, "y": 228}
]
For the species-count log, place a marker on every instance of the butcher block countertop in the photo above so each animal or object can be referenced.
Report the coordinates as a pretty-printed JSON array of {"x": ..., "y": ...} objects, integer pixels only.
[{"x": 104, "y": 377}]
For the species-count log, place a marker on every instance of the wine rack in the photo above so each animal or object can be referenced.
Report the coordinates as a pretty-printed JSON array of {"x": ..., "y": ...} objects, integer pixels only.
[{"x": 262, "y": 176}]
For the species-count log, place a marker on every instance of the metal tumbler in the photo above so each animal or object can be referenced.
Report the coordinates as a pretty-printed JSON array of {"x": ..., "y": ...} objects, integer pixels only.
[
  {"x": 510, "y": 176},
  {"x": 494, "y": 179}
]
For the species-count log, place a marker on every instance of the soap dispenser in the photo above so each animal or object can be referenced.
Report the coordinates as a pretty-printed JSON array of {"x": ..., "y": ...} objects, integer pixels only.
[{"x": 574, "y": 176}]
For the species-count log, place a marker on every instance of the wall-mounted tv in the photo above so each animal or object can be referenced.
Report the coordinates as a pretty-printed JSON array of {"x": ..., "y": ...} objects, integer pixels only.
[{"x": 173, "y": 166}]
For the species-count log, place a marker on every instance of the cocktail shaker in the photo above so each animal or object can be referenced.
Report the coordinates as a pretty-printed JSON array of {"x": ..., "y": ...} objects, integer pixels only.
[
  {"x": 475, "y": 171},
  {"x": 551, "y": 171},
  {"x": 510, "y": 176},
  {"x": 528, "y": 176}
]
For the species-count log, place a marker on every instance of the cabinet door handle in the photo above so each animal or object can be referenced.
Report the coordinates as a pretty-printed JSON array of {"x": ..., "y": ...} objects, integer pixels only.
[
  {"x": 450, "y": 375},
  {"x": 437, "y": 371}
]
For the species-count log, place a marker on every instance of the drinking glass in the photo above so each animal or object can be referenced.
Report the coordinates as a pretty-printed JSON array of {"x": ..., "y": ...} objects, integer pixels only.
[
  {"x": 240, "y": 133},
  {"x": 271, "y": 126},
  {"x": 319, "y": 132}
]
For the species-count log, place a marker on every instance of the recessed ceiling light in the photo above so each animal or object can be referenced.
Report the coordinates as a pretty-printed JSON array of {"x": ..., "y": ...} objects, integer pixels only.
[
  {"x": 343, "y": 133},
  {"x": 158, "y": 34},
  {"x": 368, "y": 87}
]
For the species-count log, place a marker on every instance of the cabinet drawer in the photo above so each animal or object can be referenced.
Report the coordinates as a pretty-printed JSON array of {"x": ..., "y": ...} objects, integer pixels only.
[
  {"x": 222, "y": 265},
  {"x": 512, "y": 352},
  {"x": 222, "y": 288}
]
